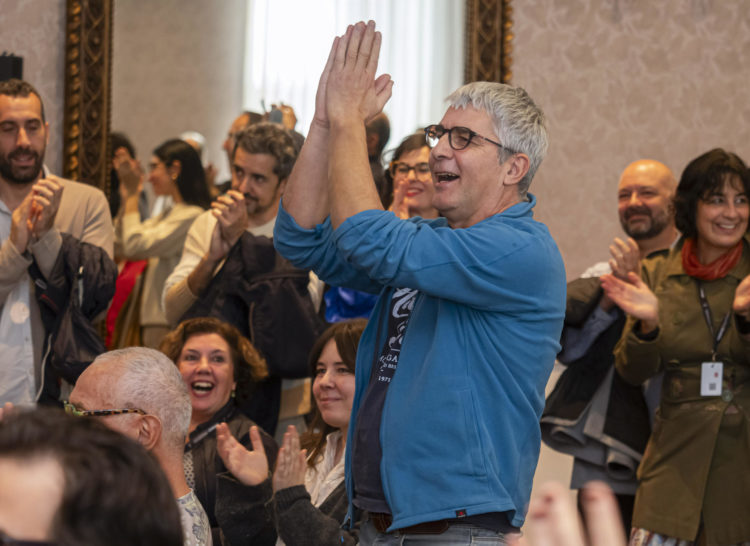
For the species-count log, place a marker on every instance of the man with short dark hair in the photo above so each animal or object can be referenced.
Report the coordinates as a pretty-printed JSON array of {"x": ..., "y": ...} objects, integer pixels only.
[
  {"x": 156, "y": 410},
  {"x": 592, "y": 413},
  {"x": 37, "y": 209},
  {"x": 65, "y": 480},
  {"x": 243, "y": 218},
  {"x": 444, "y": 436},
  {"x": 261, "y": 162}
]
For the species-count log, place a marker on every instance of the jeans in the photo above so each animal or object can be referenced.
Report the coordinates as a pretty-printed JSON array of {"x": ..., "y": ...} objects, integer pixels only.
[{"x": 456, "y": 535}]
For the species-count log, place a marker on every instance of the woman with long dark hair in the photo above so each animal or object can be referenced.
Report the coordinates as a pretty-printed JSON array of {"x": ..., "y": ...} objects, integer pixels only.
[
  {"x": 309, "y": 496},
  {"x": 175, "y": 170}
]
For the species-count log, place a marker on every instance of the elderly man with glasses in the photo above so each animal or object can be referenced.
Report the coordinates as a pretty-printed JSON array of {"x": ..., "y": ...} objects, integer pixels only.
[
  {"x": 140, "y": 393},
  {"x": 444, "y": 436}
]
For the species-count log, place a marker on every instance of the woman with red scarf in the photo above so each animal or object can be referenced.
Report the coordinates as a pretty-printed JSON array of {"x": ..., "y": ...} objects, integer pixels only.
[{"x": 689, "y": 316}]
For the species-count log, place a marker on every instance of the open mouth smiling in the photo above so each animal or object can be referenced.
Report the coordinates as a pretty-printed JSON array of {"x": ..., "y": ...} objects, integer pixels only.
[
  {"x": 202, "y": 387},
  {"x": 444, "y": 177}
]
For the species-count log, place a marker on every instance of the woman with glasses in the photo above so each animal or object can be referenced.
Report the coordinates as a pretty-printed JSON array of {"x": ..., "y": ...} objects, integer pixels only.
[
  {"x": 409, "y": 175},
  {"x": 221, "y": 369},
  {"x": 689, "y": 317},
  {"x": 175, "y": 170}
]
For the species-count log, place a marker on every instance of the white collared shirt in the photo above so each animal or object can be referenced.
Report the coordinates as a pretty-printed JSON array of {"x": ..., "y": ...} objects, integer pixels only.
[{"x": 17, "y": 383}]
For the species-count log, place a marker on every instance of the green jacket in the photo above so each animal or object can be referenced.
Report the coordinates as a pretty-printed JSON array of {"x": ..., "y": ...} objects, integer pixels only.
[{"x": 697, "y": 461}]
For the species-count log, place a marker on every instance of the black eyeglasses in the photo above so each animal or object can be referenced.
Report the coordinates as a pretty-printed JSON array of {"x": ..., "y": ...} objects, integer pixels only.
[
  {"x": 70, "y": 409},
  {"x": 458, "y": 137},
  {"x": 5, "y": 540},
  {"x": 421, "y": 170}
]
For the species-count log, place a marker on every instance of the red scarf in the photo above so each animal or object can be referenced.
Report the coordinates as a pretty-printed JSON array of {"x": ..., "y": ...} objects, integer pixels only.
[{"x": 716, "y": 269}]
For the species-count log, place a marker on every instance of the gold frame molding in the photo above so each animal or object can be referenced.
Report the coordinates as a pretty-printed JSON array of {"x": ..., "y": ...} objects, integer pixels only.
[
  {"x": 88, "y": 95},
  {"x": 488, "y": 41},
  {"x": 88, "y": 75}
]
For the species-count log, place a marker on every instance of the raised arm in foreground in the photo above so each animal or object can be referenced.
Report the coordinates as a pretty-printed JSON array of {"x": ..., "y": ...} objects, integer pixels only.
[{"x": 352, "y": 97}]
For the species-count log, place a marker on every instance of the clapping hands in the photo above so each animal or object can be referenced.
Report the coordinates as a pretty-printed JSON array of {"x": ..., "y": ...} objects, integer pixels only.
[
  {"x": 348, "y": 89},
  {"x": 34, "y": 217},
  {"x": 251, "y": 467},
  {"x": 231, "y": 220}
]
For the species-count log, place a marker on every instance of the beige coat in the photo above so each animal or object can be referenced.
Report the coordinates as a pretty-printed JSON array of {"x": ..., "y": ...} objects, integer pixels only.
[
  {"x": 158, "y": 240},
  {"x": 697, "y": 462}
]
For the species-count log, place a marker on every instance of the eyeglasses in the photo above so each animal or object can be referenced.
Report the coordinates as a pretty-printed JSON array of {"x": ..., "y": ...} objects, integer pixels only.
[
  {"x": 5, "y": 540},
  {"x": 421, "y": 170},
  {"x": 70, "y": 409},
  {"x": 458, "y": 137}
]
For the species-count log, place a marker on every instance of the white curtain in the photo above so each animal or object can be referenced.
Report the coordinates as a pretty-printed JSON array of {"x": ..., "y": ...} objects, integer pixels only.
[{"x": 288, "y": 43}]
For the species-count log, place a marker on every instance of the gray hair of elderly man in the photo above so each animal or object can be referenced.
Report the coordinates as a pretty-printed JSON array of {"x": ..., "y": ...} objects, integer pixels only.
[
  {"x": 150, "y": 381},
  {"x": 519, "y": 123}
]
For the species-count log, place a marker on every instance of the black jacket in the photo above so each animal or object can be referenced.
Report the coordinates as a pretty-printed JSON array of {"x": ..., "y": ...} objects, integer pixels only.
[
  {"x": 207, "y": 464},
  {"x": 627, "y": 418},
  {"x": 79, "y": 287},
  {"x": 266, "y": 298},
  {"x": 297, "y": 521}
]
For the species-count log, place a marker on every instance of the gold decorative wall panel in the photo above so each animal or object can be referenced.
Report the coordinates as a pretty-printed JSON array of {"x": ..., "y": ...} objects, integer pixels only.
[
  {"x": 87, "y": 91},
  {"x": 489, "y": 41}
]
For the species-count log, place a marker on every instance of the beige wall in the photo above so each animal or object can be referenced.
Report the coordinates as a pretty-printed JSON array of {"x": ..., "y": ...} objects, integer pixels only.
[
  {"x": 621, "y": 80},
  {"x": 177, "y": 66},
  {"x": 35, "y": 30}
]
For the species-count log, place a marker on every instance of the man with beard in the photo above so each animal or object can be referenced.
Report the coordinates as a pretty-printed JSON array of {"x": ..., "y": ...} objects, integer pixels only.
[
  {"x": 592, "y": 413},
  {"x": 262, "y": 158},
  {"x": 36, "y": 208}
]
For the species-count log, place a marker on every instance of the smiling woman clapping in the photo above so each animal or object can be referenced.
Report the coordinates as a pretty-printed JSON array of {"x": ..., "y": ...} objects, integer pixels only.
[
  {"x": 220, "y": 368},
  {"x": 689, "y": 316}
]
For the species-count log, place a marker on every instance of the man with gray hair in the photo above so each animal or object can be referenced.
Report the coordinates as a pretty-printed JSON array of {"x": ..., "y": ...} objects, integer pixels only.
[
  {"x": 444, "y": 436},
  {"x": 140, "y": 393}
]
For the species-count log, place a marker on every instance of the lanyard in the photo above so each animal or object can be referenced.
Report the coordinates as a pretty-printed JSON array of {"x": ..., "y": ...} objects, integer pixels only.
[{"x": 716, "y": 336}]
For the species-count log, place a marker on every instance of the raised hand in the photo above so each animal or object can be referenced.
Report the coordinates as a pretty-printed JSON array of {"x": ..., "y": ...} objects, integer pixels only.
[
  {"x": 554, "y": 521},
  {"x": 290, "y": 462},
  {"x": 321, "y": 115},
  {"x": 21, "y": 224},
  {"x": 6, "y": 410},
  {"x": 626, "y": 257},
  {"x": 130, "y": 173},
  {"x": 249, "y": 467},
  {"x": 603, "y": 521},
  {"x": 398, "y": 205},
  {"x": 352, "y": 92},
  {"x": 231, "y": 220},
  {"x": 634, "y": 297},
  {"x": 741, "y": 303},
  {"x": 46, "y": 193}
]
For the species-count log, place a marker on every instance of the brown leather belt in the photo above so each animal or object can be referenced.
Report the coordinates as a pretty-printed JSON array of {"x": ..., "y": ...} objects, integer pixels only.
[{"x": 381, "y": 522}]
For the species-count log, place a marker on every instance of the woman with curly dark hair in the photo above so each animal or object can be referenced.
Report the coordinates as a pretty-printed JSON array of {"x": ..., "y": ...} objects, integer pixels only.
[
  {"x": 221, "y": 369},
  {"x": 689, "y": 317}
]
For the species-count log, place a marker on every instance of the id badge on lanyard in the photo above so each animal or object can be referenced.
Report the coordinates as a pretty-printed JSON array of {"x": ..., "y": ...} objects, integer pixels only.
[{"x": 712, "y": 372}]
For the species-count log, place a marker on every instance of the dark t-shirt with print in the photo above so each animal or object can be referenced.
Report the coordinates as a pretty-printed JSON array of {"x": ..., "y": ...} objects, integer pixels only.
[{"x": 367, "y": 451}]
